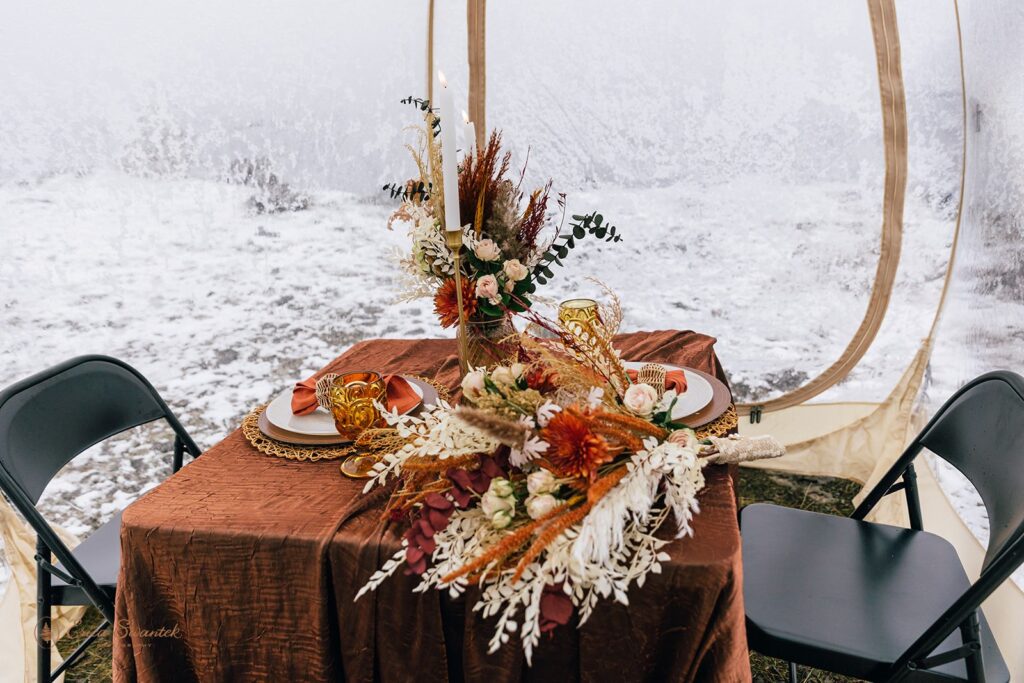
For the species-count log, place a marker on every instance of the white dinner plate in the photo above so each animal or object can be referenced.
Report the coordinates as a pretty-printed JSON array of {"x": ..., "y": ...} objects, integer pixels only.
[
  {"x": 697, "y": 395},
  {"x": 318, "y": 423}
]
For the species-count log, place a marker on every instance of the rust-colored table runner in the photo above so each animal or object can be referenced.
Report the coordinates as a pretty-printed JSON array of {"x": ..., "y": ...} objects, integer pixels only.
[{"x": 244, "y": 567}]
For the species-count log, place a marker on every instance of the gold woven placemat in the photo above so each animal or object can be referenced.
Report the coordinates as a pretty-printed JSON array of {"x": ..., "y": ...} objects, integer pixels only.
[
  {"x": 264, "y": 444},
  {"x": 721, "y": 426}
]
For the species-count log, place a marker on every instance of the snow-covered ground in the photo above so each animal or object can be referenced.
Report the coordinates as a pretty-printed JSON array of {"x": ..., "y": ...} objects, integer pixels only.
[{"x": 222, "y": 308}]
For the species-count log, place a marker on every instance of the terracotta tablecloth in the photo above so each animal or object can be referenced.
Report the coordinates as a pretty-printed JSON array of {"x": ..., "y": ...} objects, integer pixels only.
[{"x": 244, "y": 567}]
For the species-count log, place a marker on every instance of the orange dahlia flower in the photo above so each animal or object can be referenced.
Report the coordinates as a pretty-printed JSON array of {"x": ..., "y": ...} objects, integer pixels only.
[
  {"x": 574, "y": 449},
  {"x": 446, "y": 302}
]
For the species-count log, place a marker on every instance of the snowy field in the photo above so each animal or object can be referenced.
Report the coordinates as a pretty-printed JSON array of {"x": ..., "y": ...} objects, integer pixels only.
[{"x": 221, "y": 308}]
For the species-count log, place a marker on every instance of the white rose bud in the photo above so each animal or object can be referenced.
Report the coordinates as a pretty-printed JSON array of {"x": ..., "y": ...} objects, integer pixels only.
[
  {"x": 503, "y": 376},
  {"x": 541, "y": 481},
  {"x": 501, "y": 487},
  {"x": 501, "y": 519},
  {"x": 487, "y": 288},
  {"x": 473, "y": 386},
  {"x": 641, "y": 399},
  {"x": 538, "y": 506},
  {"x": 514, "y": 270},
  {"x": 492, "y": 503},
  {"x": 487, "y": 250}
]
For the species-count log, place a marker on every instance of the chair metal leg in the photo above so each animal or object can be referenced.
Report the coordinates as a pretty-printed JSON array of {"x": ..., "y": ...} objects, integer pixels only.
[
  {"x": 73, "y": 658},
  {"x": 179, "y": 454},
  {"x": 792, "y": 672},
  {"x": 970, "y": 632},
  {"x": 43, "y": 633}
]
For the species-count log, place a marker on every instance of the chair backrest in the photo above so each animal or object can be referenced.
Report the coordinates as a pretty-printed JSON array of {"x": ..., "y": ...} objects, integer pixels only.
[
  {"x": 49, "y": 418},
  {"x": 980, "y": 431}
]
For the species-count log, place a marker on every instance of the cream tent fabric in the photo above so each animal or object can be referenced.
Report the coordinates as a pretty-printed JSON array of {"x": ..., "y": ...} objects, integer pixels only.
[
  {"x": 18, "y": 605},
  {"x": 861, "y": 450}
]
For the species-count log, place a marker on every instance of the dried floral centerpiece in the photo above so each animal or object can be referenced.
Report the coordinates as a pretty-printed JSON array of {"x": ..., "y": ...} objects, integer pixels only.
[
  {"x": 510, "y": 240},
  {"x": 546, "y": 488}
]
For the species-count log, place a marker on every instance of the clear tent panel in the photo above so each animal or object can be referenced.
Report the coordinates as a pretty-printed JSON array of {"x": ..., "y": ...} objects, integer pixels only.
[
  {"x": 196, "y": 189},
  {"x": 931, "y": 79},
  {"x": 740, "y": 147},
  {"x": 185, "y": 88},
  {"x": 982, "y": 327},
  {"x": 168, "y": 146}
]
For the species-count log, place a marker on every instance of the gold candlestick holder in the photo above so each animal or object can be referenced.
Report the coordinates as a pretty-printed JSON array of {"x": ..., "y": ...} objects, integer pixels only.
[{"x": 453, "y": 238}]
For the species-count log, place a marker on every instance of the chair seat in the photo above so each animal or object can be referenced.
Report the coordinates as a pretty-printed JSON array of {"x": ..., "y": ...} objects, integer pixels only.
[
  {"x": 849, "y": 596},
  {"x": 100, "y": 556}
]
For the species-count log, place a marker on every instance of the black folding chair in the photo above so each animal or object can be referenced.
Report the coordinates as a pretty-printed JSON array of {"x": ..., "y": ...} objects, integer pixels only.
[
  {"x": 884, "y": 603},
  {"x": 45, "y": 421}
]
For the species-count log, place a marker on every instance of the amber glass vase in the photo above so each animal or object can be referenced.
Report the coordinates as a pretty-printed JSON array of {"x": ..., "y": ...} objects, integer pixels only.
[{"x": 489, "y": 343}]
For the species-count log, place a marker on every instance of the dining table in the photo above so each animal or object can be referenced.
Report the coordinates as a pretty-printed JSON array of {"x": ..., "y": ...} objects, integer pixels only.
[{"x": 245, "y": 567}]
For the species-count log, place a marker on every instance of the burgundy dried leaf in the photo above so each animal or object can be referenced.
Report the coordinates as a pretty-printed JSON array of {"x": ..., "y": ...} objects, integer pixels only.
[
  {"x": 461, "y": 497},
  {"x": 491, "y": 469},
  {"x": 437, "y": 502},
  {"x": 417, "y": 567},
  {"x": 413, "y": 554},
  {"x": 460, "y": 478},
  {"x": 423, "y": 528},
  {"x": 436, "y": 518},
  {"x": 480, "y": 481},
  {"x": 555, "y": 608}
]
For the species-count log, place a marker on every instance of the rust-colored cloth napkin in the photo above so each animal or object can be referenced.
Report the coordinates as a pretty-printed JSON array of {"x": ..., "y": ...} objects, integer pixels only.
[
  {"x": 401, "y": 395},
  {"x": 674, "y": 379}
]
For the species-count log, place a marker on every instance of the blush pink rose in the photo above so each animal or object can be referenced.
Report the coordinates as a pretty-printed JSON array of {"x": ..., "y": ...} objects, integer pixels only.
[
  {"x": 641, "y": 399},
  {"x": 487, "y": 288}
]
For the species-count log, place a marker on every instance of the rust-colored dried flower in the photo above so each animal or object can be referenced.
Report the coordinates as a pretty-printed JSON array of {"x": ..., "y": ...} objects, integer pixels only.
[
  {"x": 480, "y": 179},
  {"x": 574, "y": 450},
  {"x": 446, "y": 303},
  {"x": 541, "y": 379}
]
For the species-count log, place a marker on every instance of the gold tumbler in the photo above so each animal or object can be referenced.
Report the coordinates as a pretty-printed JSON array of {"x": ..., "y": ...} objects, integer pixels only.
[
  {"x": 353, "y": 396},
  {"x": 583, "y": 312}
]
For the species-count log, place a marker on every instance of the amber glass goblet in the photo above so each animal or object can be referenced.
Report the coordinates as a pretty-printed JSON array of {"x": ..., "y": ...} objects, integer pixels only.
[
  {"x": 581, "y": 311},
  {"x": 354, "y": 396}
]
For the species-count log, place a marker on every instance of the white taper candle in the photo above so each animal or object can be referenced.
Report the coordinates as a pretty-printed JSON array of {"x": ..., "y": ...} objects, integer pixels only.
[
  {"x": 469, "y": 132},
  {"x": 449, "y": 165}
]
